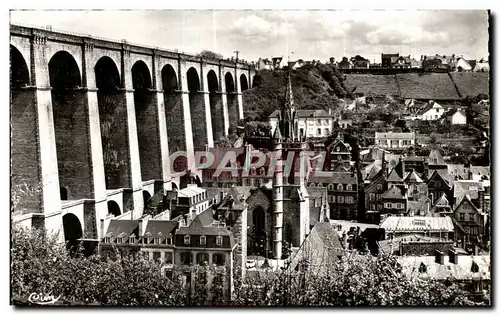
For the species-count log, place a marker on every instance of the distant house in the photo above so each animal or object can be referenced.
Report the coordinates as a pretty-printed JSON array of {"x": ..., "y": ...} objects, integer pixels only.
[
  {"x": 277, "y": 62},
  {"x": 394, "y": 140},
  {"x": 441, "y": 227},
  {"x": 388, "y": 60},
  {"x": 311, "y": 124},
  {"x": 345, "y": 64},
  {"x": 470, "y": 220},
  {"x": 344, "y": 123},
  {"x": 264, "y": 64},
  {"x": 359, "y": 62},
  {"x": 414, "y": 63},
  {"x": 402, "y": 62},
  {"x": 431, "y": 111},
  {"x": 438, "y": 62},
  {"x": 456, "y": 116}
]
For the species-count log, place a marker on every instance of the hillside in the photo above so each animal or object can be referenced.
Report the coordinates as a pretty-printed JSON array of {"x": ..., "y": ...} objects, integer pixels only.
[{"x": 318, "y": 87}]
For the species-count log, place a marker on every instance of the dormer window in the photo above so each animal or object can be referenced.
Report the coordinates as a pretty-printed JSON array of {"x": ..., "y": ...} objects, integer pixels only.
[
  {"x": 330, "y": 186},
  {"x": 349, "y": 187},
  {"x": 339, "y": 187},
  {"x": 218, "y": 240},
  {"x": 203, "y": 240},
  {"x": 107, "y": 239},
  {"x": 169, "y": 239},
  {"x": 131, "y": 239},
  {"x": 187, "y": 239}
]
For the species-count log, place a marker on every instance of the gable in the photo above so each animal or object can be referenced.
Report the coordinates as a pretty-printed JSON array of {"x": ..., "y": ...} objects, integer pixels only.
[
  {"x": 465, "y": 204},
  {"x": 436, "y": 181}
]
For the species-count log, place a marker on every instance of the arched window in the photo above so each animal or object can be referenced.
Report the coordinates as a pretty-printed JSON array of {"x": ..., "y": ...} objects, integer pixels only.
[
  {"x": 203, "y": 240},
  {"x": 349, "y": 187},
  {"x": 330, "y": 186},
  {"x": 312, "y": 185},
  {"x": 340, "y": 187}
]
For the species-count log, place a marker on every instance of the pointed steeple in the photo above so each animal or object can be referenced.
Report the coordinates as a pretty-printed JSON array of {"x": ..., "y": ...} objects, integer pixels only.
[
  {"x": 288, "y": 122},
  {"x": 277, "y": 135}
]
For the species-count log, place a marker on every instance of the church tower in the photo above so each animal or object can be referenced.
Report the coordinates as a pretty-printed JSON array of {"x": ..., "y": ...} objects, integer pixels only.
[{"x": 277, "y": 215}]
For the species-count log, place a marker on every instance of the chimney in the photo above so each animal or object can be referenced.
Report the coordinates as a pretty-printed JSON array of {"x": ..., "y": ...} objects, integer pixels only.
[
  {"x": 453, "y": 256},
  {"x": 142, "y": 225},
  {"x": 439, "y": 257}
]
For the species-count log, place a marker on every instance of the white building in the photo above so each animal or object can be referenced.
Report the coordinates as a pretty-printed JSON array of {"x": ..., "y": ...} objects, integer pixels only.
[
  {"x": 194, "y": 197},
  {"x": 431, "y": 111},
  {"x": 311, "y": 123},
  {"x": 394, "y": 140},
  {"x": 456, "y": 117}
]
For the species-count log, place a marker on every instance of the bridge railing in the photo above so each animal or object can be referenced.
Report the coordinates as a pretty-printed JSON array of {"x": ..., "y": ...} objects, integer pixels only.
[{"x": 55, "y": 30}]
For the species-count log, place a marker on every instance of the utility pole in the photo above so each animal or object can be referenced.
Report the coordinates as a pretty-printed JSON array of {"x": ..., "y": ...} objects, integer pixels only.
[{"x": 237, "y": 52}]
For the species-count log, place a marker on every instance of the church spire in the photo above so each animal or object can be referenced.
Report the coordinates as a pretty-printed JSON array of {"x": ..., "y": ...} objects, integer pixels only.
[{"x": 288, "y": 122}]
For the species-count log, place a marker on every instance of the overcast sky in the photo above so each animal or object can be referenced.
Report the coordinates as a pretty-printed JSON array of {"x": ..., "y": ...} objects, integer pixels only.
[{"x": 308, "y": 34}]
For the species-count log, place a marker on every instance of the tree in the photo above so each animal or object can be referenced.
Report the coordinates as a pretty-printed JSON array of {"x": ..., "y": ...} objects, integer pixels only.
[{"x": 210, "y": 54}]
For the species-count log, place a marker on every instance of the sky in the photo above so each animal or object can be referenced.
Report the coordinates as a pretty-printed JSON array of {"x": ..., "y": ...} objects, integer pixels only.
[{"x": 298, "y": 34}]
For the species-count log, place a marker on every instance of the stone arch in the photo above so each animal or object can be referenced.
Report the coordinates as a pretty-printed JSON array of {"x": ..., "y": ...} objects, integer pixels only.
[
  {"x": 107, "y": 77},
  {"x": 141, "y": 76},
  {"x": 71, "y": 126},
  {"x": 113, "y": 123},
  {"x": 228, "y": 79},
  {"x": 243, "y": 82},
  {"x": 193, "y": 80},
  {"x": 146, "y": 114},
  {"x": 146, "y": 196},
  {"x": 169, "y": 79},
  {"x": 113, "y": 208},
  {"x": 72, "y": 228},
  {"x": 216, "y": 108},
  {"x": 63, "y": 71},
  {"x": 174, "y": 113},
  {"x": 232, "y": 100},
  {"x": 19, "y": 73},
  {"x": 197, "y": 109},
  {"x": 24, "y": 132}
]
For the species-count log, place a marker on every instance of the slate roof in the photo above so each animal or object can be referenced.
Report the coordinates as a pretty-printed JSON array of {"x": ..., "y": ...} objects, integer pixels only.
[
  {"x": 395, "y": 243},
  {"x": 430, "y": 105},
  {"x": 419, "y": 207},
  {"x": 435, "y": 158},
  {"x": 394, "y": 176},
  {"x": 409, "y": 224},
  {"x": 465, "y": 198},
  {"x": 156, "y": 226},
  {"x": 372, "y": 170},
  {"x": 128, "y": 227},
  {"x": 336, "y": 178},
  {"x": 319, "y": 251},
  {"x": 413, "y": 177},
  {"x": 460, "y": 271},
  {"x": 394, "y": 136},
  {"x": 393, "y": 193},
  {"x": 442, "y": 201},
  {"x": 466, "y": 187},
  {"x": 442, "y": 174}
]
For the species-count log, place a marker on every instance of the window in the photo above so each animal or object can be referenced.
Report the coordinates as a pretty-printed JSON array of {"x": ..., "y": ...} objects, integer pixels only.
[
  {"x": 169, "y": 239},
  {"x": 340, "y": 199},
  {"x": 330, "y": 186},
  {"x": 380, "y": 207},
  {"x": 373, "y": 207},
  {"x": 471, "y": 217},
  {"x": 379, "y": 187},
  {"x": 338, "y": 149},
  {"x": 187, "y": 239},
  {"x": 462, "y": 216},
  {"x": 131, "y": 239},
  {"x": 201, "y": 258},
  {"x": 379, "y": 197},
  {"x": 399, "y": 206},
  {"x": 219, "y": 259},
  {"x": 203, "y": 240},
  {"x": 312, "y": 185},
  {"x": 372, "y": 197},
  {"x": 339, "y": 187},
  {"x": 319, "y": 131},
  {"x": 107, "y": 239},
  {"x": 186, "y": 258},
  {"x": 168, "y": 257},
  {"x": 349, "y": 187},
  {"x": 218, "y": 240},
  {"x": 330, "y": 198},
  {"x": 156, "y": 256},
  {"x": 389, "y": 205},
  {"x": 349, "y": 200}
]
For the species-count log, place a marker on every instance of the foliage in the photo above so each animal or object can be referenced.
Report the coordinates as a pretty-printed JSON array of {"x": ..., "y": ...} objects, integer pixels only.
[
  {"x": 40, "y": 264},
  {"x": 210, "y": 54}
]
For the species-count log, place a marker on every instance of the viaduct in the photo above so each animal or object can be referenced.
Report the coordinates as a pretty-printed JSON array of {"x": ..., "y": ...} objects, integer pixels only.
[{"x": 94, "y": 122}]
